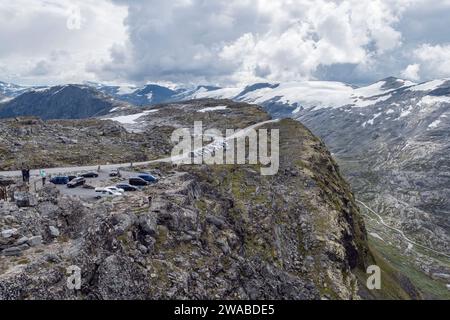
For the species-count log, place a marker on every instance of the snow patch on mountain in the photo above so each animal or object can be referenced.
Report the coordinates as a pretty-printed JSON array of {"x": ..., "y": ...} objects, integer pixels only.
[
  {"x": 223, "y": 93},
  {"x": 428, "y": 86},
  {"x": 430, "y": 100},
  {"x": 371, "y": 121},
  {"x": 131, "y": 118},
  {"x": 406, "y": 112},
  {"x": 310, "y": 94},
  {"x": 379, "y": 88},
  {"x": 209, "y": 109},
  {"x": 434, "y": 124}
]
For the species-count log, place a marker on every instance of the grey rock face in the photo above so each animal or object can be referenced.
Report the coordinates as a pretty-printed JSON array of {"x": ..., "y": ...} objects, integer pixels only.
[
  {"x": 207, "y": 233},
  {"x": 148, "y": 224},
  {"x": 394, "y": 151},
  {"x": 395, "y": 154},
  {"x": 25, "y": 199}
]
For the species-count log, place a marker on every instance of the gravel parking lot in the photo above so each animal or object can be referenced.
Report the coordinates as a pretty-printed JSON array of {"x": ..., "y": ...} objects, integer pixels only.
[{"x": 103, "y": 180}]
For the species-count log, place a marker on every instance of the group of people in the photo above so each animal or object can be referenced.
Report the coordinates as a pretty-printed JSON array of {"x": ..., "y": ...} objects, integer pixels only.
[{"x": 26, "y": 175}]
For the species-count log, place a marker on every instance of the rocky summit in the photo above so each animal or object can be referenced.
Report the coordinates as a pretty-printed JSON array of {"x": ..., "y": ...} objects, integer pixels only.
[{"x": 200, "y": 232}]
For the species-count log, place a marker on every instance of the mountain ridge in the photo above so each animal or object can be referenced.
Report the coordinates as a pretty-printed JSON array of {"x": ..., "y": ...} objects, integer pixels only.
[
  {"x": 59, "y": 102},
  {"x": 292, "y": 95}
]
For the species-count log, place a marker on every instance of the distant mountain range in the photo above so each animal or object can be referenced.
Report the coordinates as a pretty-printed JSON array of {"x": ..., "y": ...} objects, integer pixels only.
[
  {"x": 58, "y": 102},
  {"x": 139, "y": 96},
  {"x": 9, "y": 91},
  {"x": 294, "y": 96}
]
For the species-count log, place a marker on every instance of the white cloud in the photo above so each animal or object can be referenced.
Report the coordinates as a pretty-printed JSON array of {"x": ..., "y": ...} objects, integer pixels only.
[
  {"x": 325, "y": 33},
  {"x": 38, "y": 47},
  {"x": 223, "y": 41},
  {"x": 243, "y": 41},
  {"x": 435, "y": 60},
  {"x": 411, "y": 72}
]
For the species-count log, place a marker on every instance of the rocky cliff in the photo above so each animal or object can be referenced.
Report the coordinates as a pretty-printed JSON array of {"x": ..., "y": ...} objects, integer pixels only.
[{"x": 202, "y": 232}]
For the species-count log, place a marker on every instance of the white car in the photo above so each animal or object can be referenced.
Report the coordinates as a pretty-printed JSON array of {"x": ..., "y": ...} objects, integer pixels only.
[
  {"x": 115, "y": 189},
  {"x": 108, "y": 193}
]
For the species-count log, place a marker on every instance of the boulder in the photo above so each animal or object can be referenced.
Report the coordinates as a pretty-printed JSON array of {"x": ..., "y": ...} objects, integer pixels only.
[
  {"x": 6, "y": 234},
  {"x": 122, "y": 222},
  {"x": 15, "y": 251},
  {"x": 179, "y": 220},
  {"x": 52, "y": 258},
  {"x": 21, "y": 241},
  {"x": 143, "y": 249},
  {"x": 24, "y": 199},
  {"x": 219, "y": 223},
  {"x": 54, "y": 232},
  {"x": 35, "y": 241},
  {"x": 148, "y": 224}
]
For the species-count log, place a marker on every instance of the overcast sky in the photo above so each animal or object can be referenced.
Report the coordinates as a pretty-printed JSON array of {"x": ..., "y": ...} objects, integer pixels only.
[{"x": 222, "y": 42}]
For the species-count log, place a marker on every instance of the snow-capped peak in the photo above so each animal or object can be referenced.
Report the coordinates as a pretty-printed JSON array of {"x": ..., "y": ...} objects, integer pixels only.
[
  {"x": 429, "y": 85},
  {"x": 309, "y": 94}
]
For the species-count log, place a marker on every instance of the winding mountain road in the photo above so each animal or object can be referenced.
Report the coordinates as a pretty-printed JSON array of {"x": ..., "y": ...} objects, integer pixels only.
[
  {"x": 402, "y": 234},
  {"x": 109, "y": 167}
]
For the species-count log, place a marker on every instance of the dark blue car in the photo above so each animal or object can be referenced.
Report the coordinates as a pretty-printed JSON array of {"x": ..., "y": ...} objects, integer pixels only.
[
  {"x": 148, "y": 177},
  {"x": 60, "y": 180}
]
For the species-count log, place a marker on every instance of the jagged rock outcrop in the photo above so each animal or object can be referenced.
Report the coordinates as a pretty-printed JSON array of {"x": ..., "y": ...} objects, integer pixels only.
[{"x": 202, "y": 232}]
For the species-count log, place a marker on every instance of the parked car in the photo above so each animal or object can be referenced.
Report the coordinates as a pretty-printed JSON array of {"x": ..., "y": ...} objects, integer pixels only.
[
  {"x": 137, "y": 182},
  {"x": 108, "y": 193},
  {"x": 114, "y": 173},
  {"x": 148, "y": 177},
  {"x": 127, "y": 187},
  {"x": 76, "y": 182},
  {"x": 115, "y": 189},
  {"x": 60, "y": 180},
  {"x": 90, "y": 174},
  {"x": 71, "y": 177}
]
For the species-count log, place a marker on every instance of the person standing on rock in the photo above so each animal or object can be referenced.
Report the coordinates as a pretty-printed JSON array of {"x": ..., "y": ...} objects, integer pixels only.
[
  {"x": 24, "y": 172},
  {"x": 27, "y": 175},
  {"x": 43, "y": 176}
]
